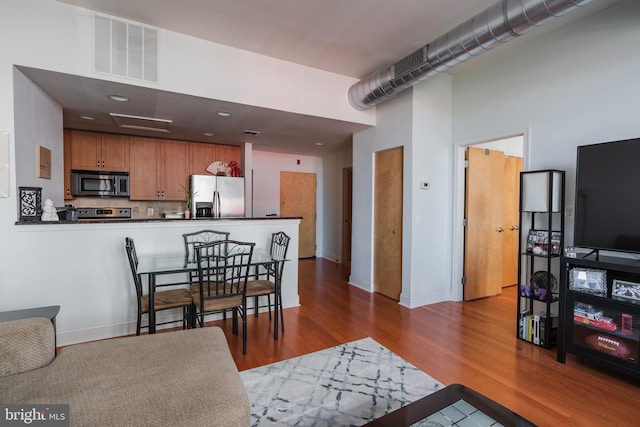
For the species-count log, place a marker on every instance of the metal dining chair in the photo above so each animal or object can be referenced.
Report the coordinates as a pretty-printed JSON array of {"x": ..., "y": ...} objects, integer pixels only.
[
  {"x": 223, "y": 269},
  {"x": 163, "y": 300},
  {"x": 267, "y": 281},
  {"x": 199, "y": 237}
]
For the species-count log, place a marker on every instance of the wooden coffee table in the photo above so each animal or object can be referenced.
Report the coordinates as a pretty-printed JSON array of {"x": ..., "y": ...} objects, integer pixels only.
[{"x": 450, "y": 406}]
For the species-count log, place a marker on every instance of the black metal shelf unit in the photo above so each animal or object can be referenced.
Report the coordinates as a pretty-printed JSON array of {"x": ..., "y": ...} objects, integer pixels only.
[
  {"x": 541, "y": 242},
  {"x": 600, "y": 311}
]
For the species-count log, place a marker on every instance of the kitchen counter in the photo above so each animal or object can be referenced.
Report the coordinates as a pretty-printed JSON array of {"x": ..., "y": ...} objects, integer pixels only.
[
  {"x": 84, "y": 258},
  {"x": 151, "y": 220}
]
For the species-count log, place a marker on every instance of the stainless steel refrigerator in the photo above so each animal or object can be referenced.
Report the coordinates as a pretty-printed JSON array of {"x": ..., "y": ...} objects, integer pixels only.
[{"x": 217, "y": 196}]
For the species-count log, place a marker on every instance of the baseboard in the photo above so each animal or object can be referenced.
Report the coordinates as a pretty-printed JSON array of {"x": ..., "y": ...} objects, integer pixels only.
[{"x": 77, "y": 336}]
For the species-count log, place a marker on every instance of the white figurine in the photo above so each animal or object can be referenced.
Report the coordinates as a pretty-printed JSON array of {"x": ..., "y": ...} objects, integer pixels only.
[{"x": 49, "y": 212}]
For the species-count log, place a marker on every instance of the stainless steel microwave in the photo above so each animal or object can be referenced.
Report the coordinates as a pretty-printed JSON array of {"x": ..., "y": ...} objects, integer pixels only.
[{"x": 90, "y": 183}]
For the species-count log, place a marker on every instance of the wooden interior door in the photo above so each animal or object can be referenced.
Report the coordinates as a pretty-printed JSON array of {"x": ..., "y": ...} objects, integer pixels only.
[
  {"x": 484, "y": 230},
  {"x": 298, "y": 199},
  {"x": 510, "y": 252},
  {"x": 387, "y": 264}
]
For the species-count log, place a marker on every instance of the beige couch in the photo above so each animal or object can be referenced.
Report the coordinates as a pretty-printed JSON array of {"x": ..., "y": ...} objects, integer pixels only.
[{"x": 182, "y": 378}]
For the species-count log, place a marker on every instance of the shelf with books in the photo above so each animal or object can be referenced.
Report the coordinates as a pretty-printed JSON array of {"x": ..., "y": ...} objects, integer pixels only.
[{"x": 541, "y": 242}]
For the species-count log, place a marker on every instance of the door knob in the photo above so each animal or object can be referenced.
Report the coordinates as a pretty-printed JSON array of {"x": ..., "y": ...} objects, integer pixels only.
[
  {"x": 514, "y": 227},
  {"x": 395, "y": 232},
  {"x": 500, "y": 230}
]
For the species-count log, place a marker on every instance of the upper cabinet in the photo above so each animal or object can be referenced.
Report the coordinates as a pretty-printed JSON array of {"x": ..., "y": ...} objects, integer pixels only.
[
  {"x": 99, "y": 151},
  {"x": 159, "y": 169},
  {"x": 202, "y": 155},
  {"x": 67, "y": 165}
]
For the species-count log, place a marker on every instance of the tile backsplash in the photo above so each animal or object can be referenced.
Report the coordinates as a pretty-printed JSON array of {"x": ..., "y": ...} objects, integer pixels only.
[{"x": 139, "y": 209}]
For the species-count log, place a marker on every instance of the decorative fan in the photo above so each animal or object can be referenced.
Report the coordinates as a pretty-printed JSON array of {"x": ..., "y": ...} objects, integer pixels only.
[
  {"x": 542, "y": 283},
  {"x": 219, "y": 168}
]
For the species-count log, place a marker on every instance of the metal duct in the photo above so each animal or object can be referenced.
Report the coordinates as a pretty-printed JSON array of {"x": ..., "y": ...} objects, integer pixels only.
[{"x": 496, "y": 25}]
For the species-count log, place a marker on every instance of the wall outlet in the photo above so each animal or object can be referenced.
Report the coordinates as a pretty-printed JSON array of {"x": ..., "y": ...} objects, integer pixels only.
[
  {"x": 568, "y": 210},
  {"x": 150, "y": 211}
]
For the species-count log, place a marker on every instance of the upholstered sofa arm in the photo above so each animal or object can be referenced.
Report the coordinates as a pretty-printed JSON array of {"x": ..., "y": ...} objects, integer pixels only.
[{"x": 25, "y": 344}]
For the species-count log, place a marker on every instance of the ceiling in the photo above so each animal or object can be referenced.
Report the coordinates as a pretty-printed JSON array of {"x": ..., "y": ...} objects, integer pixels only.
[{"x": 352, "y": 38}]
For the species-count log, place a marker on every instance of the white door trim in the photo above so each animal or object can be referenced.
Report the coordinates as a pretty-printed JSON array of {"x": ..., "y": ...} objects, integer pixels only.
[{"x": 459, "y": 148}]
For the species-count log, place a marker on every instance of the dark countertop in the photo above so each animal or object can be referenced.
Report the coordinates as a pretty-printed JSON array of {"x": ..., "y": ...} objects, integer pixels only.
[{"x": 151, "y": 220}]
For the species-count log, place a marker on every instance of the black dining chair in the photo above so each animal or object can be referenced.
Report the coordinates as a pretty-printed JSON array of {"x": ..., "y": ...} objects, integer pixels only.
[
  {"x": 163, "y": 300},
  {"x": 223, "y": 268},
  {"x": 266, "y": 281},
  {"x": 191, "y": 240},
  {"x": 199, "y": 237}
]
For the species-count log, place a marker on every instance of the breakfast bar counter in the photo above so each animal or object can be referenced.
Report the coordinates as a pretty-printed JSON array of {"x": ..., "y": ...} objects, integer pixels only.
[
  {"x": 152, "y": 220},
  {"x": 86, "y": 269}
]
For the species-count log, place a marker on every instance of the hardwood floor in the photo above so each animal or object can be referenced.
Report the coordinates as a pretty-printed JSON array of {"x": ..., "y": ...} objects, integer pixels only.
[{"x": 471, "y": 343}]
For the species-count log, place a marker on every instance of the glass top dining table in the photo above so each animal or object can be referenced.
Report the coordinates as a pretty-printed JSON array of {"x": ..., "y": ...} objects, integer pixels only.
[{"x": 154, "y": 265}]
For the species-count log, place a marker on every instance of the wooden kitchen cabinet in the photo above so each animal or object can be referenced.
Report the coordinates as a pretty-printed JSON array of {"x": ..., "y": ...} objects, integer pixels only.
[
  {"x": 67, "y": 164},
  {"x": 202, "y": 155},
  {"x": 158, "y": 169},
  {"x": 99, "y": 151}
]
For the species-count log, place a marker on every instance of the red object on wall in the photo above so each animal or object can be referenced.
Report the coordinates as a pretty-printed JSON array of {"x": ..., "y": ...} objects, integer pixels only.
[{"x": 298, "y": 161}]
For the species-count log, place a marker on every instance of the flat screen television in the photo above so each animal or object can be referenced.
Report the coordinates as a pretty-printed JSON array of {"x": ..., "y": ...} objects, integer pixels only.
[{"x": 607, "y": 204}]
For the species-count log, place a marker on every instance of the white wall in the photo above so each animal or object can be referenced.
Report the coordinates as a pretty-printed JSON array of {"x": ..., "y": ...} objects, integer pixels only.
[
  {"x": 38, "y": 123},
  {"x": 575, "y": 86},
  {"x": 266, "y": 184},
  {"x": 431, "y": 210},
  {"x": 84, "y": 270},
  {"x": 393, "y": 129},
  {"x": 332, "y": 204},
  {"x": 420, "y": 121}
]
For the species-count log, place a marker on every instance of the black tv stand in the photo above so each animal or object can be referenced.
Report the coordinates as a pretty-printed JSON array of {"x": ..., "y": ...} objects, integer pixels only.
[{"x": 593, "y": 251}]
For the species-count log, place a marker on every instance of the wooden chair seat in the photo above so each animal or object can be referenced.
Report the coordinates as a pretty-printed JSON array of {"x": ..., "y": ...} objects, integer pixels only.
[
  {"x": 173, "y": 298},
  {"x": 217, "y": 304},
  {"x": 260, "y": 287}
]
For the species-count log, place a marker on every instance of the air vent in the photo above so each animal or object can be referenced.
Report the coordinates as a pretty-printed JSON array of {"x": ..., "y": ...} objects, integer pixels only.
[
  {"x": 141, "y": 123},
  {"x": 125, "y": 49},
  {"x": 251, "y": 132}
]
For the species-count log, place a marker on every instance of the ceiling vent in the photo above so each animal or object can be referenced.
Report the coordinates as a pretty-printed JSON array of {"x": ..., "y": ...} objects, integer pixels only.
[
  {"x": 125, "y": 49},
  {"x": 141, "y": 123},
  {"x": 496, "y": 25},
  {"x": 251, "y": 132}
]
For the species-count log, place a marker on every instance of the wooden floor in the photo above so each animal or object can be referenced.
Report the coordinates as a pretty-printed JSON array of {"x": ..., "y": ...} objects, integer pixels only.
[{"x": 471, "y": 343}]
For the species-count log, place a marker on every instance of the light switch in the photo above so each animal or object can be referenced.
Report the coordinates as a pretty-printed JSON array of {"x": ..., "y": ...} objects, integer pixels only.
[{"x": 424, "y": 185}]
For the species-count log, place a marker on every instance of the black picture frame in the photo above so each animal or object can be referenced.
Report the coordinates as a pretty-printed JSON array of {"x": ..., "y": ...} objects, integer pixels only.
[
  {"x": 625, "y": 290},
  {"x": 540, "y": 239}
]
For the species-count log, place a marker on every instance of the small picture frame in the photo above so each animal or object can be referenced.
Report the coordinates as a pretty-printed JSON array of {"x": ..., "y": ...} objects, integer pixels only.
[
  {"x": 538, "y": 242},
  {"x": 625, "y": 290},
  {"x": 588, "y": 280}
]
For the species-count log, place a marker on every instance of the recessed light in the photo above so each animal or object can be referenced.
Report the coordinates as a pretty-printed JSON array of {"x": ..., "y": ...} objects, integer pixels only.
[
  {"x": 319, "y": 144},
  {"x": 208, "y": 134},
  {"x": 223, "y": 113},
  {"x": 87, "y": 117},
  {"x": 118, "y": 98}
]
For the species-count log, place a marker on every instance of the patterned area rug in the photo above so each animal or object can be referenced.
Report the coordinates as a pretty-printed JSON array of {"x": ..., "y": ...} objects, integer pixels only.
[{"x": 347, "y": 385}]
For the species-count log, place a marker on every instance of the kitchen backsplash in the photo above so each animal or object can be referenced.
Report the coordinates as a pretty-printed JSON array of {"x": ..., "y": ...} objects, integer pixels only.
[{"x": 139, "y": 209}]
